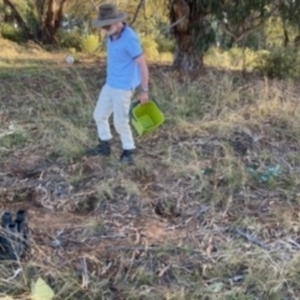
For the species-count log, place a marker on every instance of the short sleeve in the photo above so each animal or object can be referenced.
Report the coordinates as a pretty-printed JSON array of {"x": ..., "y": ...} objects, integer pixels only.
[{"x": 134, "y": 46}]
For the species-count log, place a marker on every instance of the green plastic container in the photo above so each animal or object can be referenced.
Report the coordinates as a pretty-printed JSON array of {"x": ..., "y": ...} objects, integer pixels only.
[{"x": 146, "y": 118}]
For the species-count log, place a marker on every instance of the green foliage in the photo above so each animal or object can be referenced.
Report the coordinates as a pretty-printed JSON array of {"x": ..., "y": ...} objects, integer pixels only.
[
  {"x": 234, "y": 58},
  {"x": 77, "y": 42},
  {"x": 203, "y": 36},
  {"x": 208, "y": 18},
  {"x": 165, "y": 44},
  {"x": 280, "y": 63},
  {"x": 290, "y": 11},
  {"x": 31, "y": 18},
  {"x": 16, "y": 139},
  {"x": 9, "y": 32},
  {"x": 150, "y": 46},
  {"x": 239, "y": 12},
  {"x": 255, "y": 40},
  {"x": 233, "y": 13},
  {"x": 150, "y": 17},
  {"x": 242, "y": 57},
  {"x": 90, "y": 43},
  {"x": 69, "y": 39},
  {"x": 274, "y": 33}
]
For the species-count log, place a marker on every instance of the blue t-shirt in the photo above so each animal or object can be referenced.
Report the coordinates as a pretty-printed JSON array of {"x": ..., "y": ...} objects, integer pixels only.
[{"x": 122, "y": 70}]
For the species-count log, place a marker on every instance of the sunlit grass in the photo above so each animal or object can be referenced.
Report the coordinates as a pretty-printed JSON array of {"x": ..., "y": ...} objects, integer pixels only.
[{"x": 233, "y": 59}]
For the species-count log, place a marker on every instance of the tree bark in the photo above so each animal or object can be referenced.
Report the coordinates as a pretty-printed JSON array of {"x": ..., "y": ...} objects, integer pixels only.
[
  {"x": 51, "y": 20},
  {"x": 59, "y": 15},
  {"x": 187, "y": 57}
]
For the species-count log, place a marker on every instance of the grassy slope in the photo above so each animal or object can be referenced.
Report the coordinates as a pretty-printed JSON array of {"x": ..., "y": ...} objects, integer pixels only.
[{"x": 188, "y": 222}]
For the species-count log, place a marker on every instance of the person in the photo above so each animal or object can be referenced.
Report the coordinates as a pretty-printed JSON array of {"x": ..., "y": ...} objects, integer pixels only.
[{"x": 126, "y": 71}]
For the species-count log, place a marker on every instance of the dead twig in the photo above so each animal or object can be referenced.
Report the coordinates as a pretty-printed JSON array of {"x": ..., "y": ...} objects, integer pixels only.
[
  {"x": 251, "y": 239},
  {"x": 85, "y": 276}
]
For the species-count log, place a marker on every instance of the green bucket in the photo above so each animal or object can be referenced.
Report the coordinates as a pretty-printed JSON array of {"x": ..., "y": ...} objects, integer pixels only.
[{"x": 145, "y": 118}]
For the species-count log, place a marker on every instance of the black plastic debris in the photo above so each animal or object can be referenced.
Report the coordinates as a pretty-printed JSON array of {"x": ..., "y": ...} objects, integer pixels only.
[{"x": 14, "y": 235}]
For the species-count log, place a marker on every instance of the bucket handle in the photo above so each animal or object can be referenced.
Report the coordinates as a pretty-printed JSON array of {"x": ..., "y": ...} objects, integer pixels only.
[{"x": 134, "y": 104}]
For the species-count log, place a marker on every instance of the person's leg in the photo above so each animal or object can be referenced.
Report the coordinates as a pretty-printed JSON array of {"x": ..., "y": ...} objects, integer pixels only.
[
  {"x": 102, "y": 112},
  {"x": 121, "y": 104}
]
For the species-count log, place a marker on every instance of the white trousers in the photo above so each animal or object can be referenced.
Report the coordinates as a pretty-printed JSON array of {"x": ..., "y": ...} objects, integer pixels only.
[{"x": 114, "y": 101}]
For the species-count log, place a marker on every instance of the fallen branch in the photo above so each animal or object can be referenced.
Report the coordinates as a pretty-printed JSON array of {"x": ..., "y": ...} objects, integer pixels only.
[{"x": 85, "y": 275}]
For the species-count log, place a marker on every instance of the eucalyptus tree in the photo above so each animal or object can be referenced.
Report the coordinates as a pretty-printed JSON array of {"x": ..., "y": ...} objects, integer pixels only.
[{"x": 192, "y": 24}]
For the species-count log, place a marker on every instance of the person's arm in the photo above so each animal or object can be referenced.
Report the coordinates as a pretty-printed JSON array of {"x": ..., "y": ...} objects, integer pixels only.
[
  {"x": 135, "y": 50},
  {"x": 141, "y": 61}
]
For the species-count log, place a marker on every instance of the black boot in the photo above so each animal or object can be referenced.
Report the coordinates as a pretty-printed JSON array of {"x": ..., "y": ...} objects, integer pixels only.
[
  {"x": 103, "y": 148},
  {"x": 127, "y": 156}
]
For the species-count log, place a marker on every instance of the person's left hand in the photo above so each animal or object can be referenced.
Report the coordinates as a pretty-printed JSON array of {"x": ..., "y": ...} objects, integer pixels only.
[{"x": 144, "y": 97}]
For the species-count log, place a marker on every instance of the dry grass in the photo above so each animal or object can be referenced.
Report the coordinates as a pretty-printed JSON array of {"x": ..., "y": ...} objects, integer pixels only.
[{"x": 188, "y": 222}]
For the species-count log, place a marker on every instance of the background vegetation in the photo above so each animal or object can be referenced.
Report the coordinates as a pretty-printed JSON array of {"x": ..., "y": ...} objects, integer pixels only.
[{"x": 269, "y": 29}]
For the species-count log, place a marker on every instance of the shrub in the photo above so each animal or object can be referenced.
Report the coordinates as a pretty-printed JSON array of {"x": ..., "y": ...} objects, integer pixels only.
[
  {"x": 235, "y": 58},
  {"x": 90, "y": 43},
  {"x": 280, "y": 63},
  {"x": 70, "y": 39},
  {"x": 150, "y": 46},
  {"x": 165, "y": 45},
  {"x": 239, "y": 57},
  {"x": 8, "y": 31}
]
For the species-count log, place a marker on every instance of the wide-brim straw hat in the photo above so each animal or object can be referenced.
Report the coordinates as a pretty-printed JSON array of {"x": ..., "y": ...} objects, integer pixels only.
[{"x": 108, "y": 14}]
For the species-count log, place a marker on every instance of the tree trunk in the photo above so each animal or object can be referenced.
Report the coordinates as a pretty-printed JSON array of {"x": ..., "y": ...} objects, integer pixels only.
[
  {"x": 51, "y": 20},
  {"x": 183, "y": 18},
  {"x": 59, "y": 15},
  {"x": 47, "y": 24},
  {"x": 186, "y": 57}
]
